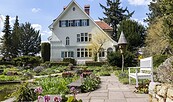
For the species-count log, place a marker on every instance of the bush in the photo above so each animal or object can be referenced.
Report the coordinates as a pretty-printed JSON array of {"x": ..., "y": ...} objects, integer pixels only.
[
  {"x": 27, "y": 60},
  {"x": 59, "y": 64},
  {"x": 115, "y": 59},
  {"x": 45, "y": 51},
  {"x": 70, "y": 60},
  {"x": 24, "y": 93},
  {"x": 93, "y": 63},
  {"x": 90, "y": 84},
  {"x": 158, "y": 59}
]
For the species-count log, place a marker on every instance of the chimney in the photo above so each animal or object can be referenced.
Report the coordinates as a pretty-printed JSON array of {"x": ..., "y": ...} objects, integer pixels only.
[
  {"x": 87, "y": 9},
  {"x": 64, "y": 7}
]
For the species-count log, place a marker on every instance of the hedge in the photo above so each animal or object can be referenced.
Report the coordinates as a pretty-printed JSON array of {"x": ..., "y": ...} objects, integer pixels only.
[
  {"x": 59, "y": 64},
  {"x": 93, "y": 63}
]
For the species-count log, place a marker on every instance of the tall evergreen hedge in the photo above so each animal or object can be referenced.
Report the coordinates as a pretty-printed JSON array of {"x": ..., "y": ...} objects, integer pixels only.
[{"x": 45, "y": 51}]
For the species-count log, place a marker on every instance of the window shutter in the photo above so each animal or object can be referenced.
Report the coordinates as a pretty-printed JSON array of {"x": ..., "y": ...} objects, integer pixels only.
[
  {"x": 80, "y": 22},
  {"x": 66, "y": 23},
  {"x": 87, "y": 22},
  {"x": 59, "y": 23}
]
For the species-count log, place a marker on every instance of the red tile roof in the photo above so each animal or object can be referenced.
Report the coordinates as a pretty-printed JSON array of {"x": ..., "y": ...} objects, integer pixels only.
[{"x": 103, "y": 25}]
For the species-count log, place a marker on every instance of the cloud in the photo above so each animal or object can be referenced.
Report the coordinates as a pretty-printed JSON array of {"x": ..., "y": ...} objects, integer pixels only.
[
  {"x": 46, "y": 33},
  {"x": 35, "y": 10},
  {"x": 139, "y": 2},
  {"x": 37, "y": 26}
]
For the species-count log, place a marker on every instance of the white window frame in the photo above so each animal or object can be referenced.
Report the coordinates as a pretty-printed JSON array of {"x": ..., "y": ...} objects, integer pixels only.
[{"x": 63, "y": 23}]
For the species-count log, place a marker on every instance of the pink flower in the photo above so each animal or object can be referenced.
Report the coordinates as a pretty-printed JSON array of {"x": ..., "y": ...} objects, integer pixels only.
[
  {"x": 47, "y": 98},
  {"x": 57, "y": 99},
  {"x": 38, "y": 90},
  {"x": 40, "y": 97},
  {"x": 72, "y": 89},
  {"x": 81, "y": 76}
]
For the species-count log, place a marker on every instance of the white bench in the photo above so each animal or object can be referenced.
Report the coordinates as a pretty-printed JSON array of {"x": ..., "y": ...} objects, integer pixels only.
[{"x": 146, "y": 70}]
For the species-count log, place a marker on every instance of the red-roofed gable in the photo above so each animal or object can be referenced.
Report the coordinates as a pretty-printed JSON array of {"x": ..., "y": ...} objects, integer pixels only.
[{"x": 103, "y": 25}]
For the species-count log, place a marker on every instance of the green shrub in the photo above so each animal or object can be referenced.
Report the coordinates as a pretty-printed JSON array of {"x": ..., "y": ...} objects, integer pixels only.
[
  {"x": 104, "y": 73},
  {"x": 45, "y": 51},
  {"x": 158, "y": 59},
  {"x": 90, "y": 84},
  {"x": 115, "y": 59},
  {"x": 55, "y": 85},
  {"x": 70, "y": 60},
  {"x": 93, "y": 63},
  {"x": 24, "y": 93},
  {"x": 59, "y": 64},
  {"x": 27, "y": 60}
]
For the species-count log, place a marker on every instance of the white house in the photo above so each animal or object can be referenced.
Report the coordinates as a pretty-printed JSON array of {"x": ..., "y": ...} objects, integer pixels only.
[{"x": 72, "y": 32}]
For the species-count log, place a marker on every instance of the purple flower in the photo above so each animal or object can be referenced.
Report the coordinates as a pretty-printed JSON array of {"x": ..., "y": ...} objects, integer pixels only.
[
  {"x": 47, "y": 98},
  {"x": 38, "y": 90},
  {"x": 57, "y": 99},
  {"x": 72, "y": 89},
  {"x": 40, "y": 97},
  {"x": 81, "y": 76}
]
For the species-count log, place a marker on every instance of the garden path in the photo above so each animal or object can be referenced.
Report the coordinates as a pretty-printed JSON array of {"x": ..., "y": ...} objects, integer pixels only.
[{"x": 113, "y": 91}]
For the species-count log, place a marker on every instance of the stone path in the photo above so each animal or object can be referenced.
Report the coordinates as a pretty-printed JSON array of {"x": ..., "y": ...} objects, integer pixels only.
[{"x": 113, "y": 91}]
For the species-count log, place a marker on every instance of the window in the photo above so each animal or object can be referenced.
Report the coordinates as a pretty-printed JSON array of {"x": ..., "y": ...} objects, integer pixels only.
[
  {"x": 73, "y": 8},
  {"x": 67, "y": 41},
  {"x": 78, "y": 37},
  {"x": 102, "y": 53},
  {"x": 78, "y": 52},
  {"x": 67, "y": 54},
  {"x": 70, "y": 23},
  {"x": 90, "y": 36},
  {"x": 84, "y": 52},
  {"x": 77, "y": 22},
  {"x": 83, "y": 37},
  {"x": 109, "y": 50},
  {"x": 63, "y": 23},
  {"x": 84, "y": 22}
]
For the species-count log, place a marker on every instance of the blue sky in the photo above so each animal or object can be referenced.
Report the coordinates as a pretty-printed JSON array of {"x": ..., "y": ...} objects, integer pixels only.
[{"x": 41, "y": 13}]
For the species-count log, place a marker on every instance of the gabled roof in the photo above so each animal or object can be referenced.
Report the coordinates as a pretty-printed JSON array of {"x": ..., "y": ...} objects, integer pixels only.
[
  {"x": 103, "y": 25},
  {"x": 67, "y": 8}
]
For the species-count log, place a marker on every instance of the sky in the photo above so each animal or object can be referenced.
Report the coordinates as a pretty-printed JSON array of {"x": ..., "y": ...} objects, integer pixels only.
[{"x": 41, "y": 13}]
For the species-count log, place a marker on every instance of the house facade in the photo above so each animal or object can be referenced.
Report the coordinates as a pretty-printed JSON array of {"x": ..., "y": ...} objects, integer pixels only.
[{"x": 72, "y": 33}]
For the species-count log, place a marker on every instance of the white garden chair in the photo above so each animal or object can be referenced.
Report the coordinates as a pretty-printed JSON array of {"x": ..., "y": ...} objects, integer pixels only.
[{"x": 146, "y": 70}]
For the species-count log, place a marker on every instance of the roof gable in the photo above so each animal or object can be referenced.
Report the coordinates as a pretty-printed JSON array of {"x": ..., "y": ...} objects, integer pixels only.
[{"x": 73, "y": 2}]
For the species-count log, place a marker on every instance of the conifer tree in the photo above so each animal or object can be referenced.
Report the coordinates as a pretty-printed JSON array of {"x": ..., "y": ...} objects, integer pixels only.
[
  {"x": 15, "y": 38},
  {"x": 29, "y": 40},
  {"x": 114, "y": 15},
  {"x": 6, "y": 39}
]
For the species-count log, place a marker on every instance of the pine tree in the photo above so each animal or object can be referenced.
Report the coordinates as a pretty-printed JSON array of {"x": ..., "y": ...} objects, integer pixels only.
[
  {"x": 114, "y": 15},
  {"x": 29, "y": 40},
  {"x": 15, "y": 38},
  {"x": 6, "y": 39}
]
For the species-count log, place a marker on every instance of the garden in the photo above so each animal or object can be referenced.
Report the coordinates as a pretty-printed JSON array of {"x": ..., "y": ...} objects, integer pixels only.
[{"x": 31, "y": 79}]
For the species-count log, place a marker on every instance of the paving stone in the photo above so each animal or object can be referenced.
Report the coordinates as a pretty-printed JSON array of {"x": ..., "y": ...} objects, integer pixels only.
[
  {"x": 129, "y": 94},
  {"x": 116, "y": 95},
  {"x": 116, "y": 100},
  {"x": 105, "y": 98},
  {"x": 97, "y": 100},
  {"x": 136, "y": 100},
  {"x": 98, "y": 94}
]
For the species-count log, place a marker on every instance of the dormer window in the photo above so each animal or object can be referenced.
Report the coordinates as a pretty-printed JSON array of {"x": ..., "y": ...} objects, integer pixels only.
[{"x": 67, "y": 41}]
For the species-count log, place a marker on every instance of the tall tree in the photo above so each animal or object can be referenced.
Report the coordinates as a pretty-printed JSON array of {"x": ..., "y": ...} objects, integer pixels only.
[
  {"x": 29, "y": 40},
  {"x": 15, "y": 38},
  {"x": 134, "y": 32},
  {"x": 114, "y": 15},
  {"x": 160, "y": 32},
  {"x": 6, "y": 39}
]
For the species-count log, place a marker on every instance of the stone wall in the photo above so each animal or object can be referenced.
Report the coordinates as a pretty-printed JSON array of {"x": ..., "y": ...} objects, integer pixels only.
[{"x": 160, "y": 92}]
